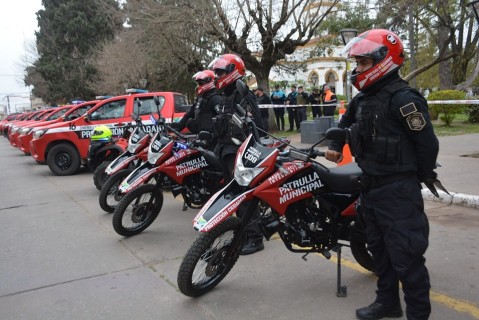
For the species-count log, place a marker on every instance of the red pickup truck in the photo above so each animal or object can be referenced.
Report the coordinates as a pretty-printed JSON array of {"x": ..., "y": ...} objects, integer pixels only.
[{"x": 64, "y": 146}]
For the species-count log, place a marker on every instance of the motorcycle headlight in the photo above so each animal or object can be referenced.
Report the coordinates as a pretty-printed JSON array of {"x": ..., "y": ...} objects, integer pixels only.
[
  {"x": 25, "y": 130},
  {"x": 14, "y": 130},
  {"x": 39, "y": 133},
  {"x": 244, "y": 175}
]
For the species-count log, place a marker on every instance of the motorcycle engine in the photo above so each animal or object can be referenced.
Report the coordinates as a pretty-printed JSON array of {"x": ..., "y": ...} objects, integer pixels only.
[
  {"x": 198, "y": 188},
  {"x": 308, "y": 225}
]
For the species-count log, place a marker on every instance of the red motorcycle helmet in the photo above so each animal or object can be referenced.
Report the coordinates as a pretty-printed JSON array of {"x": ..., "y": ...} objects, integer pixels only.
[
  {"x": 227, "y": 68},
  {"x": 204, "y": 81},
  {"x": 384, "y": 47}
]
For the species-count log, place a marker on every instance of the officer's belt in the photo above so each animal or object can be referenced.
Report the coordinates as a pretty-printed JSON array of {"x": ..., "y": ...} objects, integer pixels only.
[{"x": 371, "y": 182}]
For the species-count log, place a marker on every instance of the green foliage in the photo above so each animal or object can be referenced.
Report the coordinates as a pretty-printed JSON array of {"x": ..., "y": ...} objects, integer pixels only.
[
  {"x": 69, "y": 34},
  {"x": 472, "y": 111},
  {"x": 446, "y": 112}
]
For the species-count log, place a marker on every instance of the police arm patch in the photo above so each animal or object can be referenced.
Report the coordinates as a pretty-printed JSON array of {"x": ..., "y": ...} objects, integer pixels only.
[
  {"x": 408, "y": 109},
  {"x": 416, "y": 121}
]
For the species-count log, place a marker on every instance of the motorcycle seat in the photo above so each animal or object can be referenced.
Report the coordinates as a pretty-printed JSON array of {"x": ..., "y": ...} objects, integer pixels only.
[{"x": 343, "y": 179}]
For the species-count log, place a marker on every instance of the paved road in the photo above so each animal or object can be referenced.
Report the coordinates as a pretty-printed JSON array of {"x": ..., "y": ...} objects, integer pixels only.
[{"x": 61, "y": 259}]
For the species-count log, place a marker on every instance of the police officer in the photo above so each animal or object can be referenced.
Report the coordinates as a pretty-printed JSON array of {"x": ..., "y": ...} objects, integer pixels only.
[
  {"x": 200, "y": 116},
  {"x": 394, "y": 143},
  {"x": 228, "y": 69}
]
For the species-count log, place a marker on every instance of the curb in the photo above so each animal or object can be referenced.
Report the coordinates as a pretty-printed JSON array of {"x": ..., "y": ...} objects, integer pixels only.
[{"x": 460, "y": 199}]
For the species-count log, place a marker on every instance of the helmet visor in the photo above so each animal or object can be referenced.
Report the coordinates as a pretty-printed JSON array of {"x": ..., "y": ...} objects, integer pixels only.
[{"x": 359, "y": 46}]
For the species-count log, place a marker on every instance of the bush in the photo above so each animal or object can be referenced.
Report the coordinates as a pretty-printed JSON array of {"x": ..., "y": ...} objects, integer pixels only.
[
  {"x": 472, "y": 112},
  {"x": 446, "y": 112}
]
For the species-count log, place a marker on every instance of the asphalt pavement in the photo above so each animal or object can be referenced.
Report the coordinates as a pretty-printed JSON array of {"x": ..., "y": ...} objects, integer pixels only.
[{"x": 61, "y": 258}]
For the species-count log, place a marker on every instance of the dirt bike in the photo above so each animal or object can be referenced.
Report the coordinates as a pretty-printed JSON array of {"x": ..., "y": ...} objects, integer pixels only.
[
  {"x": 137, "y": 139},
  {"x": 192, "y": 171},
  {"x": 121, "y": 167},
  {"x": 314, "y": 209}
]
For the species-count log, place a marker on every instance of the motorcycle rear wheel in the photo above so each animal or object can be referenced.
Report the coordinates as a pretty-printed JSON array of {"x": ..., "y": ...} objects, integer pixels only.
[
  {"x": 134, "y": 214},
  {"x": 109, "y": 195},
  {"x": 99, "y": 175},
  {"x": 203, "y": 266},
  {"x": 362, "y": 255}
]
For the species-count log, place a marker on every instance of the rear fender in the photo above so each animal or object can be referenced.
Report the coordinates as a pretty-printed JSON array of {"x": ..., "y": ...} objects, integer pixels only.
[{"x": 221, "y": 205}]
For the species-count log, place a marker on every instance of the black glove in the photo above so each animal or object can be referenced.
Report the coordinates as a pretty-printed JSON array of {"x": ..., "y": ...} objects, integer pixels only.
[{"x": 431, "y": 182}]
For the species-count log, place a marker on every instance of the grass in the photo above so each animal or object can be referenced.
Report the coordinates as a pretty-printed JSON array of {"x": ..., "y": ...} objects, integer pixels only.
[{"x": 459, "y": 126}]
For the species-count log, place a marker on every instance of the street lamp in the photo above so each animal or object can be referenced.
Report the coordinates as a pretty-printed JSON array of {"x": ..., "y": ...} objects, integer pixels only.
[{"x": 347, "y": 35}]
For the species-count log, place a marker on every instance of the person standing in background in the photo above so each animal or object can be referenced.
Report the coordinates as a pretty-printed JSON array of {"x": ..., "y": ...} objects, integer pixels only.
[
  {"x": 330, "y": 99},
  {"x": 301, "y": 99},
  {"x": 291, "y": 100},
  {"x": 261, "y": 98},
  {"x": 278, "y": 98},
  {"x": 315, "y": 100}
]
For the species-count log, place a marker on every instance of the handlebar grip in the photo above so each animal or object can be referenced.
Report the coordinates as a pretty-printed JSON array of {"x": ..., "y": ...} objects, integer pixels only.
[{"x": 319, "y": 153}]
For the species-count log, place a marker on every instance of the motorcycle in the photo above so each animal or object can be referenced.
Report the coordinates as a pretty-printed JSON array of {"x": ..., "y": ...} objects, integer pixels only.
[
  {"x": 191, "y": 170},
  {"x": 126, "y": 154},
  {"x": 314, "y": 209}
]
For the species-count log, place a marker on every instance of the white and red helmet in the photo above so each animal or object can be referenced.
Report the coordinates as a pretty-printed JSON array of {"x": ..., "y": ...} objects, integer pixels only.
[
  {"x": 205, "y": 81},
  {"x": 384, "y": 47},
  {"x": 227, "y": 68}
]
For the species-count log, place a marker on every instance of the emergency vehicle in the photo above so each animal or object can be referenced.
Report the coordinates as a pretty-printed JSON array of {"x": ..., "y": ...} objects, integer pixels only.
[
  {"x": 63, "y": 114},
  {"x": 64, "y": 146}
]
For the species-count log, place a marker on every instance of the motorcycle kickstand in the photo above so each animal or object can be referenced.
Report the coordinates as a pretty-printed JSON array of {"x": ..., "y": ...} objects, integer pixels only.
[
  {"x": 342, "y": 291},
  {"x": 185, "y": 207}
]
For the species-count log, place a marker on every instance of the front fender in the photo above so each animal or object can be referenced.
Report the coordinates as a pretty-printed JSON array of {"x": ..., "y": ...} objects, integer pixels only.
[
  {"x": 221, "y": 205},
  {"x": 139, "y": 176}
]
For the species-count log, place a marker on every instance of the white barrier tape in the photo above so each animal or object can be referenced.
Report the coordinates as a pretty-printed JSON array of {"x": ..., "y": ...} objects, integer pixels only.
[
  {"x": 296, "y": 105},
  {"x": 453, "y": 101},
  {"x": 337, "y": 105}
]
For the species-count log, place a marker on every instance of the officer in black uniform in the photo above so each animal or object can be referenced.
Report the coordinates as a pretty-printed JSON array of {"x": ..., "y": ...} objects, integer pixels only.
[
  {"x": 228, "y": 69},
  {"x": 394, "y": 143},
  {"x": 200, "y": 116}
]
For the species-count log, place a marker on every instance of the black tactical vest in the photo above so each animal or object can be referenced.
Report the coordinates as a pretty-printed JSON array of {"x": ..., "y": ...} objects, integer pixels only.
[{"x": 385, "y": 147}]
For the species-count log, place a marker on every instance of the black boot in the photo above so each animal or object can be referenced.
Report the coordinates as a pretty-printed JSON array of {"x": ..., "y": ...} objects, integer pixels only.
[
  {"x": 377, "y": 311},
  {"x": 251, "y": 246}
]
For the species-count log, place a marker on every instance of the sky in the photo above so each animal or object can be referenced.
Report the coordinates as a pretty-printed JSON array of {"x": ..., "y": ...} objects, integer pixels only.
[{"x": 18, "y": 22}]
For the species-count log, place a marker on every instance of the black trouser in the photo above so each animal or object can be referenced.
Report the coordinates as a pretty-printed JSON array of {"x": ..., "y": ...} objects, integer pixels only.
[
  {"x": 397, "y": 234},
  {"x": 329, "y": 110},
  {"x": 293, "y": 118},
  {"x": 254, "y": 231},
  {"x": 316, "y": 111},
  {"x": 279, "y": 115}
]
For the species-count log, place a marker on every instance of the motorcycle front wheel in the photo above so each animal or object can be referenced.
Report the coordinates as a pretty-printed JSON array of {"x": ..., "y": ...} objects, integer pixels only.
[
  {"x": 206, "y": 263},
  {"x": 110, "y": 195},
  {"x": 99, "y": 175},
  {"x": 135, "y": 212}
]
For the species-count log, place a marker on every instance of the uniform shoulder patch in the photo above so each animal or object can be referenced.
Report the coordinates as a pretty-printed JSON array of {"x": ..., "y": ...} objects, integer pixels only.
[
  {"x": 408, "y": 109},
  {"x": 416, "y": 121}
]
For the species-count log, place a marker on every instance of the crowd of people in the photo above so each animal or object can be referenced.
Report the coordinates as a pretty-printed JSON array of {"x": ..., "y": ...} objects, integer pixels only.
[{"x": 322, "y": 101}]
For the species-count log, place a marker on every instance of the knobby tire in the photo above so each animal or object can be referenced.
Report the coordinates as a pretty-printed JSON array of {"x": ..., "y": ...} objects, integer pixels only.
[
  {"x": 203, "y": 266},
  {"x": 134, "y": 214}
]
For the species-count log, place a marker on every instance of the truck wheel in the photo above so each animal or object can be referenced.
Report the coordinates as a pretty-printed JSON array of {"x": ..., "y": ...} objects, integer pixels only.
[{"x": 63, "y": 160}]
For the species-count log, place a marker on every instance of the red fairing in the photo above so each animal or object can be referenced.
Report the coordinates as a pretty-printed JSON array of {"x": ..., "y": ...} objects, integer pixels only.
[
  {"x": 281, "y": 189},
  {"x": 350, "y": 210},
  {"x": 186, "y": 162}
]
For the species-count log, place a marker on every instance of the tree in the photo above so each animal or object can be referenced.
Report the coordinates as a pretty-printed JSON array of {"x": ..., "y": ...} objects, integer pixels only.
[
  {"x": 68, "y": 36},
  {"x": 261, "y": 32}
]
